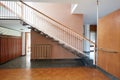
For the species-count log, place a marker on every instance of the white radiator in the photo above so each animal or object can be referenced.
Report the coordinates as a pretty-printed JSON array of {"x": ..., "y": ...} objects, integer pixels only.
[{"x": 42, "y": 51}]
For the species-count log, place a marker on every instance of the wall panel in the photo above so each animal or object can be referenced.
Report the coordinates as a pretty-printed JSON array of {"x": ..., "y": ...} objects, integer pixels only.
[
  {"x": 10, "y": 48},
  {"x": 109, "y": 41}
]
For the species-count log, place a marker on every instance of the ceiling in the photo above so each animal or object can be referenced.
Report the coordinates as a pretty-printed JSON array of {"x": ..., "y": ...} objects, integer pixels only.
[
  {"x": 89, "y": 9},
  {"x": 107, "y": 6},
  {"x": 14, "y": 25}
]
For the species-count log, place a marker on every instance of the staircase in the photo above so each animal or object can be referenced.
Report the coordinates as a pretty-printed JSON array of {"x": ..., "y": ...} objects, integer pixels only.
[
  {"x": 49, "y": 28},
  {"x": 84, "y": 60}
]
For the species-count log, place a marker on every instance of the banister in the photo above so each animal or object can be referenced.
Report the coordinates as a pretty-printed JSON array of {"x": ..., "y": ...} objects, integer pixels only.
[
  {"x": 8, "y": 8},
  {"x": 57, "y": 22}
]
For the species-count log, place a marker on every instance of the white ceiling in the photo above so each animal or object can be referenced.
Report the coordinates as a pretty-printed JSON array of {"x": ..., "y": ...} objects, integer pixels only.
[
  {"x": 11, "y": 24},
  {"x": 14, "y": 25},
  {"x": 108, "y": 6},
  {"x": 89, "y": 9}
]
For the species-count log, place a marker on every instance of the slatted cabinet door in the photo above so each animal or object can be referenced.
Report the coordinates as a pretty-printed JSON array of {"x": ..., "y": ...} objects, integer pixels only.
[
  {"x": 10, "y": 48},
  {"x": 6, "y": 49},
  {"x": 19, "y": 46},
  {"x": 3, "y": 52},
  {"x": 43, "y": 51}
]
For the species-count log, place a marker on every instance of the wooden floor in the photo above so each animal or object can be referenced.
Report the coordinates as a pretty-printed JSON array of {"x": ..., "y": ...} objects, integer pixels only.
[{"x": 80, "y": 73}]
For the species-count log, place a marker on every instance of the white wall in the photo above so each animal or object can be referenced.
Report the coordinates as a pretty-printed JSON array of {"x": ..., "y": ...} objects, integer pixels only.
[
  {"x": 23, "y": 43},
  {"x": 92, "y": 38},
  {"x": 87, "y": 35}
]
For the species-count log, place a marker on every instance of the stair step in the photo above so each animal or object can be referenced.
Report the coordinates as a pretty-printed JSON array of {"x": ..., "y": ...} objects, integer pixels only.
[
  {"x": 87, "y": 62},
  {"x": 73, "y": 51},
  {"x": 78, "y": 54},
  {"x": 23, "y": 23},
  {"x": 55, "y": 41},
  {"x": 29, "y": 27},
  {"x": 36, "y": 30},
  {"x": 42, "y": 33},
  {"x": 91, "y": 50},
  {"x": 51, "y": 38},
  {"x": 61, "y": 44},
  {"x": 91, "y": 45},
  {"x": 47, "y": 36}
]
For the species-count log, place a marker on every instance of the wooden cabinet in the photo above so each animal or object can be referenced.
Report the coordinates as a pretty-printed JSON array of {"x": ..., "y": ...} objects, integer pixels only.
[{"x": 10, "y": 48}]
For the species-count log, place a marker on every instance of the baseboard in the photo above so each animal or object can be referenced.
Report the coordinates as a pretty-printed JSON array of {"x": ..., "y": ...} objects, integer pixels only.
[
  {"x": 87, "y": 52},
  {"x": 58, "y": 60},
  {"x": 107, "y": 74},
  {"x": 78, "y": 62}
]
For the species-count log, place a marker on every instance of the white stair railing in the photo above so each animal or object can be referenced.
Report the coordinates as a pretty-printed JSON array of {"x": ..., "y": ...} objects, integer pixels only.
[{"x": 11, "y": 12}]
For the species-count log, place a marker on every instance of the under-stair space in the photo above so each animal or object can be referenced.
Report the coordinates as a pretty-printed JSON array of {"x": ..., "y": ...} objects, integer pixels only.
[{"x": 85, "y": 61}]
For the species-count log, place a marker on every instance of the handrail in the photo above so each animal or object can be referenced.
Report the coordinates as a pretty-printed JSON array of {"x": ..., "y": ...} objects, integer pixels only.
[
  {"x": 108, "y": 50},
  {"x": 57, "y": 22}
]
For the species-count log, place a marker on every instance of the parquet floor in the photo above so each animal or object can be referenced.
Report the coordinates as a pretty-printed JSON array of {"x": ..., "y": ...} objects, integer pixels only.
[{"x": 76, "y": 73}]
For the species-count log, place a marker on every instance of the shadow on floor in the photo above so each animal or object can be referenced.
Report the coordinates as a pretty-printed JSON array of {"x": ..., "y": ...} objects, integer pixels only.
[{"x": 24, "y": 62}]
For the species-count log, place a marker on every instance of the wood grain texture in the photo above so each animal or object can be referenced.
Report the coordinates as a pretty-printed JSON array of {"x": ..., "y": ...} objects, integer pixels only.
[
  {"x": 93, "y": 28},
  {"x": 109, "y": 38},
  {"x": 81, "y": 73},
  {"x": 10, "y": 48}
]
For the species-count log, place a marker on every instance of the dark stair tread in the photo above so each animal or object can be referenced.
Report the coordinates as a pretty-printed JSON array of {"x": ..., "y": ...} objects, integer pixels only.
[
  {"x": 91, "y": 50},
  {"x": 91, "y": 45},
  {"x": 55, "y": 41}
]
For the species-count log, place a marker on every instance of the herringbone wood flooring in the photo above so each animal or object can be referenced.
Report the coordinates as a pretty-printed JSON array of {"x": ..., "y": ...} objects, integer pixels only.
[{"x": 76, "y": 73}]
